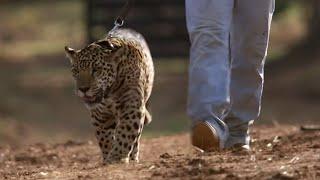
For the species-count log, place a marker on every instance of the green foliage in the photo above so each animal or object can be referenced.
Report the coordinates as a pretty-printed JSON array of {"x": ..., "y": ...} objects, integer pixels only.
[
  {"x": 35, "y": 28},
  {"x": 283, "y": 5}
]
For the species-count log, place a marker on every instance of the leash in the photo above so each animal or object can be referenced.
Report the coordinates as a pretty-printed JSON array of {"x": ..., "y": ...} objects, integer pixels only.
[{"x": 119, "y": 21}]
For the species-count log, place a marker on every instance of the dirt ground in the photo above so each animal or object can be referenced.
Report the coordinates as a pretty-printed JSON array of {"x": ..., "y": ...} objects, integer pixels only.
[{"x": 278, "y": 152}]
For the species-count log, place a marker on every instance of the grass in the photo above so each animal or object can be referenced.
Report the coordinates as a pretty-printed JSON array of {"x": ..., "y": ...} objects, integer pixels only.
[
  {"x": 40, "y": 27},
  {"x": 287, "y": 29}
]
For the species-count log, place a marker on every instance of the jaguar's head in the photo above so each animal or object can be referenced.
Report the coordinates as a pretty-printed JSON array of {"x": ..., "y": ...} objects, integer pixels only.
[{"x": 94, "y": 69}]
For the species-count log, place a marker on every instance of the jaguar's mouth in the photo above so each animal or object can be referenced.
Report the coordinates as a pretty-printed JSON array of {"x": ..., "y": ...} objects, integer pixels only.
[{"x": 92, "y": 100}]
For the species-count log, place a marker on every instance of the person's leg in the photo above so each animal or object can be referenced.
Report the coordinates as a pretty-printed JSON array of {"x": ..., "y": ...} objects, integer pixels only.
[
  {"x": 208, "y": 23},
  {"x": 249, "y": 43}
]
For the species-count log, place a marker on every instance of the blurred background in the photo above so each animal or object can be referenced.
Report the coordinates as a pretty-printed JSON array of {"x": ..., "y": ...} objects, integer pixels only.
[{"x": 37, "y": 100}]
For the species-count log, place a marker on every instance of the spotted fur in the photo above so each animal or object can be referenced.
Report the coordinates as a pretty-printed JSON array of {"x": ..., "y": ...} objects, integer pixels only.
[{"x": 114, "y": 77}]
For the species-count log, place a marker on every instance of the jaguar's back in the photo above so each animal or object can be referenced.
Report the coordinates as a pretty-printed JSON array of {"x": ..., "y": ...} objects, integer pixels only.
[{"x": 129, "y": 35}]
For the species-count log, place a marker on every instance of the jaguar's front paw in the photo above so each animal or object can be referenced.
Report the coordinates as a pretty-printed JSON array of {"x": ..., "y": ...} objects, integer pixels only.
[
  {"x": 136, "y": 159},
  {"x": 115, "y": 161},
  {"x": 124, "y": 160}
]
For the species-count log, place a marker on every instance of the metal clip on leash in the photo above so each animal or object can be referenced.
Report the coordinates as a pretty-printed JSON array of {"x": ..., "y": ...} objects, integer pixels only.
[
  {"x": 122, "y": 16},
  {"x": 117, "y": 23}
]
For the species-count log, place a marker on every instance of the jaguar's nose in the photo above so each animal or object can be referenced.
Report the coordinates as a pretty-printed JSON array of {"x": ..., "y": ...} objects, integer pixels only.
[{"x": 84, "y": 89}]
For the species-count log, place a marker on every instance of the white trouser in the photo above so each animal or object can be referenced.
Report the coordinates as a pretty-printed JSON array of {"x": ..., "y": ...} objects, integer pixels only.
[{"x": 229, "y": 40}]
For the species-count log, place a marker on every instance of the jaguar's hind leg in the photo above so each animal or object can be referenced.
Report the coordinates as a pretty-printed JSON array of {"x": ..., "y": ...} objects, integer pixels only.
[{"x": 134, "y": 155}]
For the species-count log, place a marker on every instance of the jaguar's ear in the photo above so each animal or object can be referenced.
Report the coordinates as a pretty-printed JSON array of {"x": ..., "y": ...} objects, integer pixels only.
[
  {"x": 70, "y": 53},
  {"x": 107, "y": 45}
]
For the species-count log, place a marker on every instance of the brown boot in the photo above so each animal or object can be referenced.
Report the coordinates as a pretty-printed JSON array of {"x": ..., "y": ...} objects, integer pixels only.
[{"x": 205, "y": 137}]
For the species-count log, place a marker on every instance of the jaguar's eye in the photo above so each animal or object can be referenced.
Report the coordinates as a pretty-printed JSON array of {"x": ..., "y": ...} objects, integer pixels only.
[{"x": 93, "y": 71}]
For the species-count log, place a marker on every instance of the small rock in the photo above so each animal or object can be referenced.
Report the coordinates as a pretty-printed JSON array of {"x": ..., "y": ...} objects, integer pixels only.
[
  {"x": 276, "y": 139},
  {"x": 165, "y": 156},
  {"x": 151, "y": 167},
  {"x": 43, "y": 173},
  {"x": 196, "y": 162},
  {"x": 283, "y": 175},
  {"x": 269, "y": 145},
  {"x": 294, "y": 159}
]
